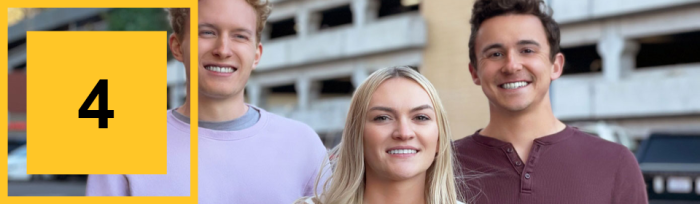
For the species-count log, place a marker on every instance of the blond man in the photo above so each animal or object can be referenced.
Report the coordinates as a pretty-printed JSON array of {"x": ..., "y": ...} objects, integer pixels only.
[{"x": 246, "y": 154}]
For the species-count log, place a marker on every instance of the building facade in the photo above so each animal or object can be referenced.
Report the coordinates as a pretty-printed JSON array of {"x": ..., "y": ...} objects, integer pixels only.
[
  {"x": 631, "y": 64},
  {"x": 316, "y": 52}
]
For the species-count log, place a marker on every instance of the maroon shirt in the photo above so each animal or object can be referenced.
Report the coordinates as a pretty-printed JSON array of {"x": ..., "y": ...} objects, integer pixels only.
[{"x": 569, "y": 167}]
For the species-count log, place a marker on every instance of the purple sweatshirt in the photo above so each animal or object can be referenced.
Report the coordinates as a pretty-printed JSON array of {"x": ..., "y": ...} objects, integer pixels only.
[{"x": 274, "y": 161}]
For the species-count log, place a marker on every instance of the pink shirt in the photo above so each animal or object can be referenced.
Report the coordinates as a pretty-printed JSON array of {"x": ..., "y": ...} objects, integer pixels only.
[{"x": 274, "y": 161}]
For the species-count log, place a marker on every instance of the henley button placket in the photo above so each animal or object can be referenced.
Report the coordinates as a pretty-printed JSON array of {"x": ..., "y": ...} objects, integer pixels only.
[
  {"x": 513, "y": 158},
  {"x": 526, "y": 182}
]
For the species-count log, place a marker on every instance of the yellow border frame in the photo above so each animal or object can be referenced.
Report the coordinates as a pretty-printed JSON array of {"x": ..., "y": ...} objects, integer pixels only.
[{"x": 192, "y": 4}]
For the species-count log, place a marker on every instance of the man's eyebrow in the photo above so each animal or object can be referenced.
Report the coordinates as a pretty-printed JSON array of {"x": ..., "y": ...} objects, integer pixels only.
[
  {"x": 249, "y": 32},
  {"x": 491, "y": 46},
  {"x": 208, "y": 25},
  {"x": 521, "y": 42},
  {"x": 528, "y": 42}
]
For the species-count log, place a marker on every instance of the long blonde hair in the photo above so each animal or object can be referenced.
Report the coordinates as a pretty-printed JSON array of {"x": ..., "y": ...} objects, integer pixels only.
[{"x": 347, "y": 182}]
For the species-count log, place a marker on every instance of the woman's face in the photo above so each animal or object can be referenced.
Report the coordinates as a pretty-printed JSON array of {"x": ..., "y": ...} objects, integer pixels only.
[{"x": 401, "y": 131}]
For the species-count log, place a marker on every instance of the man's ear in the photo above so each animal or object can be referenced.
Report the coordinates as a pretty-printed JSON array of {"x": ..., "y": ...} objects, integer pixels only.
[
  {"x": 557, "y": 66},
  {"x": 175, "y": 44},
  {"x": 475, "y": 75},
  {"x": 258, "y": 54}
]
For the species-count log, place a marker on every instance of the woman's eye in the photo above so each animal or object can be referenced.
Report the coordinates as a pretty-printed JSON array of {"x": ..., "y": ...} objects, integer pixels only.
[
  {"x": 422, "y": 118},
  {"x": 381, "y": 118}
]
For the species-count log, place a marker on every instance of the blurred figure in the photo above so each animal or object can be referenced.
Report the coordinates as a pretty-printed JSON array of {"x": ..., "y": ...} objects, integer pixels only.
[
  {"x": 528, "y": 155},
  {"x": 246, "y": 154},
  {"x": 396, "y": 145}
]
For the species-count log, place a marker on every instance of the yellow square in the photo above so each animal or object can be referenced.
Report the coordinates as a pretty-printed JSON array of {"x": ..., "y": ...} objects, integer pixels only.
[
  {"x": 127, "y": 135},
  {"x": 192, "y": 5}
]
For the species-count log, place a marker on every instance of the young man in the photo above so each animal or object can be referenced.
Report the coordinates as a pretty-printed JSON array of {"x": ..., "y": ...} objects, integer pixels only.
[
  {"x": 246, "y": 154},
  {"x": 526, "y": 155}
]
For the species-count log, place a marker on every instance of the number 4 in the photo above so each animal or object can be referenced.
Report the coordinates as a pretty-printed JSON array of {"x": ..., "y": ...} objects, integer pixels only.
[{"x": 102, "y": 113}]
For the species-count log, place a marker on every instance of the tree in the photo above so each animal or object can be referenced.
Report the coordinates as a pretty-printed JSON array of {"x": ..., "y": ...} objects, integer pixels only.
[{"x": 138, "y": 19}]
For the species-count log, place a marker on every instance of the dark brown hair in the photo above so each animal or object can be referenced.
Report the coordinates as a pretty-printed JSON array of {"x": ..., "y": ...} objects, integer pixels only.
[{"x": 486, "y": 9}]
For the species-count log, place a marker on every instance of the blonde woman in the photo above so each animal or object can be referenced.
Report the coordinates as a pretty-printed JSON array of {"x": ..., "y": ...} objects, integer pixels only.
[{"x": 396, "y": 145}]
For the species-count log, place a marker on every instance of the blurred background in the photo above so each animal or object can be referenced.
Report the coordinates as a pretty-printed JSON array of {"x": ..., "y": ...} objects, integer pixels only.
[
  {"x": 62, "y": 19},
  {"x": 630, "y": 73}
]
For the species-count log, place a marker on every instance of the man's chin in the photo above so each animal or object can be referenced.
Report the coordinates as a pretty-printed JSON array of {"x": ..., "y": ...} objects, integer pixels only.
[
  {"x": 517, "y": 109},
  {"x": 217, "y": 93},
  {"x": 513, "y": 106}
]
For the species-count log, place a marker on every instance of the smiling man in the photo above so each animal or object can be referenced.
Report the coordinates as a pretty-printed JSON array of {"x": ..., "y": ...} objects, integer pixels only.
[
  {"x": 525, "y": 154},
  {"x": 246, "y": 154}
]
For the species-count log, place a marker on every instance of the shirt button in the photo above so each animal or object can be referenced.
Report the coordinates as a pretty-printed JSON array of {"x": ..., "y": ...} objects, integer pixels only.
[
  {"x": 518, "y": 163},
  {"x": 527, "y": 176},
  {"x": 509, "y": 150}
]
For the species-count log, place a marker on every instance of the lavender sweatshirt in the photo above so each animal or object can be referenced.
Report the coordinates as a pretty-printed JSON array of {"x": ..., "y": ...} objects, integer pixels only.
[{"x": 274, "y": 161}]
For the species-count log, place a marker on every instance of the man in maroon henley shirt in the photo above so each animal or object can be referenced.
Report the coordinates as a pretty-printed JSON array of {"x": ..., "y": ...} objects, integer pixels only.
[{"x": 525, "y": 154}]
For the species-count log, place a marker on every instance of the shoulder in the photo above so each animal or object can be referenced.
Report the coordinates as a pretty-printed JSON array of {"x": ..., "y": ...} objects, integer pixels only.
[
  {"x": 280, "y": 123},
  {"x": 591, "y": 147},
  {"x": 463, "y": 143},
  {"x": 589, "y": 141},
  {"x": 293, "y": 133},
  {"x": 465, "y": 140},
  {"x": 176, "y": 124}
]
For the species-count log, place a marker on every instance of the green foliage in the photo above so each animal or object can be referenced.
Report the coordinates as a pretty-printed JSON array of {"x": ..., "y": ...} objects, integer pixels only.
[{"x": 138, "y": 19}]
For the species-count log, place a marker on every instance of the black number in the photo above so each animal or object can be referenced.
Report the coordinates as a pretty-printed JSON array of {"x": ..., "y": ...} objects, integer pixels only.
[{"x": 102, "y": 113}]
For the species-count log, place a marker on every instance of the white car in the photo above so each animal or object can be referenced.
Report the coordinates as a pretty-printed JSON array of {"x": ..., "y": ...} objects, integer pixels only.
[{"x": 17, "y": 166}]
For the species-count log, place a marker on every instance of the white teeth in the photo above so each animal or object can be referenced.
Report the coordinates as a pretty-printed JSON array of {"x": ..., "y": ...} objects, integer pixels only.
[
  {"x": 514, "y": 85},
  {"x": 219, "y": 69},
  {"x": 403, "y": 151}
]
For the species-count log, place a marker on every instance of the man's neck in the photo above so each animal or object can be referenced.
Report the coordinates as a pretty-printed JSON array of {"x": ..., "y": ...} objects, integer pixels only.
[
  {"x": 216, "y": 109},
  {"x": 384, "y": 191},
  {"x": 523, "y": 127}
]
